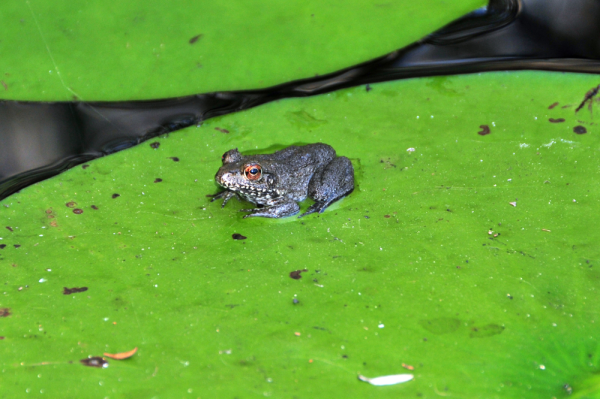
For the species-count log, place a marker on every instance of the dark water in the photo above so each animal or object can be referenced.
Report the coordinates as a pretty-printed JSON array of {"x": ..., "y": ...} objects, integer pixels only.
[{"x": 39, "y": 140}]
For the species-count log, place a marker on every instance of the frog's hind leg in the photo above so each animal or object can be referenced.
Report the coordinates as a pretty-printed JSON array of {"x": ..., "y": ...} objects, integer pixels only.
[{"x": 334, "y": 182}]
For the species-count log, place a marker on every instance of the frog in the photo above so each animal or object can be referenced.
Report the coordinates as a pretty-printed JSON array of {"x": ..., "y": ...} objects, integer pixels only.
[{"x": 277, "y": 182}]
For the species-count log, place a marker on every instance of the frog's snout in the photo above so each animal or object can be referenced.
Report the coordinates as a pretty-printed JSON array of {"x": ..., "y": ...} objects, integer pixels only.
[{"x": 223, "y": 178}]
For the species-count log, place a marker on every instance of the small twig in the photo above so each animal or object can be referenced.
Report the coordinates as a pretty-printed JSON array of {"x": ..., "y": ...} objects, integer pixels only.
[{"x": 588, "y": 96}]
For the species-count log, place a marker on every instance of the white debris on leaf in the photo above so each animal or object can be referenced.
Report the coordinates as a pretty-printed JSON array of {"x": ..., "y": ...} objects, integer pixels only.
[
  {"x": 387, "y": 379},
  {"x": 513, "y": 203},
  {"x": 410, "y": 149},
  {"x": 549, "y": 144}
]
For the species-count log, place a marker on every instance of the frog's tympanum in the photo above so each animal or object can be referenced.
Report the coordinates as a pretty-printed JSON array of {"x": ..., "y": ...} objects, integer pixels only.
[{"x": 277, "y": 182}]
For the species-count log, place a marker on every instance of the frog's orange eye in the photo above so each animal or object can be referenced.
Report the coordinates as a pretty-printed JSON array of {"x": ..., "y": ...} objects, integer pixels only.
[{"x": 253, "y": 172}]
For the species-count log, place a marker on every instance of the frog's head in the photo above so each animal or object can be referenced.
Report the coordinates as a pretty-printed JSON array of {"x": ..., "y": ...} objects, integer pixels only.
[{"x": 247, "y": 177}]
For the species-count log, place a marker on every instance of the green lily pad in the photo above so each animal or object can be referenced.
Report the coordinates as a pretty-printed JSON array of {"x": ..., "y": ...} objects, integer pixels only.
[
  {"x": 57, "y": 50},
  {"x": 467, "y": 259}
]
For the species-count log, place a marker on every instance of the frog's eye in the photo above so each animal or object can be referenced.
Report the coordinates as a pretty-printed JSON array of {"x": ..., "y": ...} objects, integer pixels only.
[{"x": 253, "y": 172}]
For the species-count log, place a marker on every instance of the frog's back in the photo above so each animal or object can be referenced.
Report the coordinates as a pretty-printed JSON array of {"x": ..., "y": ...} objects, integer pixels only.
[{"x": 316, "y": 151}]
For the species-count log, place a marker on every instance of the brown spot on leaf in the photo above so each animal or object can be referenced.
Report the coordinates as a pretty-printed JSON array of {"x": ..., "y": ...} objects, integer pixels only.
[
  {"x": 9, "y": 228},
  {"x": 157, "y": 180},
  {"x": 559, "y": 120},
  {"x": 222, "y": 130},
  {"x": 4, "y": 84},
  {"x": 71, "y": 204},
  {"x": 69, "y": 291},
  {"x": 237, "y": 236},
  {"x": 579, "y": 129},
  {"x": 77, "y": 211},
  {"x": 553, "y": 105},
  {"x": 296, "y": 274},
  {"x": 195, "y": 38},
  {"x": 94, "y": 207},
  {"x": 485, "y": 129},
  {"x": 53, "y": 223},
  {"x": 4, "y": 312},
  {"x": 387, "y": 216},
  {"x": 115, "y": 195}
]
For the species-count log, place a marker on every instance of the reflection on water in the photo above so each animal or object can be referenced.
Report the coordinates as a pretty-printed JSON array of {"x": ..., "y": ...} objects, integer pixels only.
[{"x": 39, "y": 140}]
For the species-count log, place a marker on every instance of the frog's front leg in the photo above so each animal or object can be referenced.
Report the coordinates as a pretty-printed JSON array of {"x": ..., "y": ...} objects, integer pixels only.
[
  {"x": 335, "y": 181},
  {"x": 279, "y": 210},
  {"x": 226, "y": 195}
]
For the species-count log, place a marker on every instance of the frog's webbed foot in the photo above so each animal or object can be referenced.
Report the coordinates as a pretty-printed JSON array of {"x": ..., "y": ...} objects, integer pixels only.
[
  {"x": 333, "y": 183},
  {"x": 280, "y": 210},
  {"x": 226, "y": 195},
  {"x": 320, "y": 206}
]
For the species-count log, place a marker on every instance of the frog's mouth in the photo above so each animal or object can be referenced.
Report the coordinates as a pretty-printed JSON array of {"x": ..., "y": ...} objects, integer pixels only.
[{"x": 249, "y": 191}]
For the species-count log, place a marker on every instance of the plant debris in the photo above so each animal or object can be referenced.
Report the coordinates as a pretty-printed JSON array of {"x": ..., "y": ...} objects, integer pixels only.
[
  {"x": 485, "y": 129},
  {"x": 69, "y": 291},
  {"x": 195, "y": 39},
  {"x": 296, "y": 274},
  {"x": 95, "y": 361},
  {"x": 588, "y": 96},
  {"x": 122, "y": 355}
]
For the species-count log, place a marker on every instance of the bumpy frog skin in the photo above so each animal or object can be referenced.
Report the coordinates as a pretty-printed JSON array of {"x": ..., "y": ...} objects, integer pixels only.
[{"x": 277, "y": 182}]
